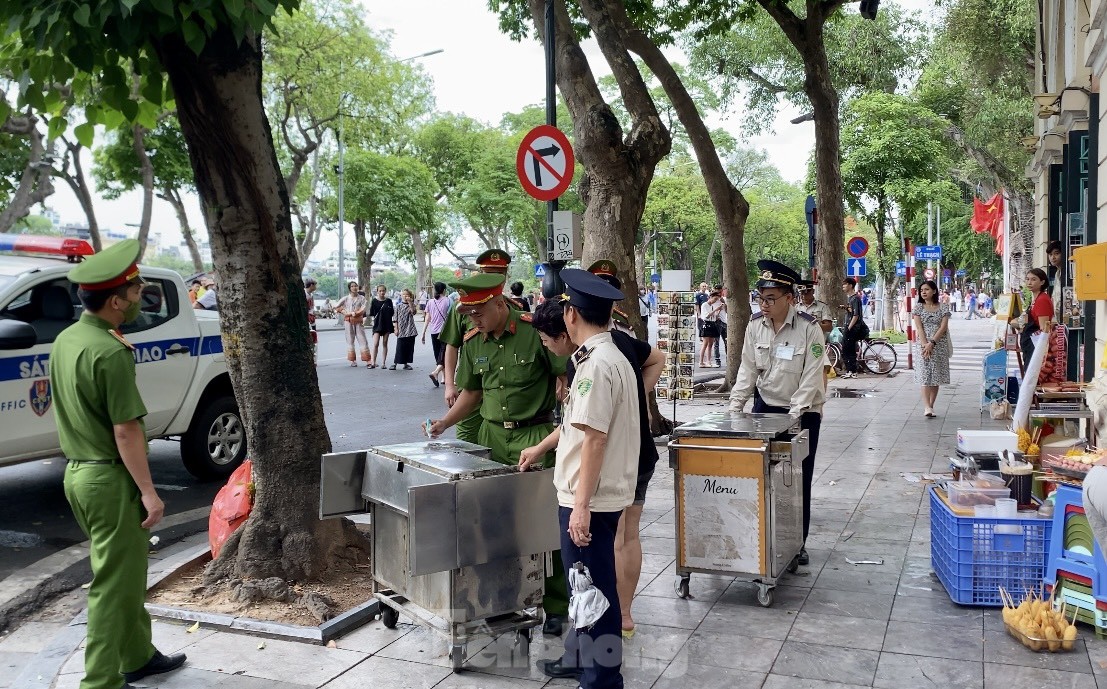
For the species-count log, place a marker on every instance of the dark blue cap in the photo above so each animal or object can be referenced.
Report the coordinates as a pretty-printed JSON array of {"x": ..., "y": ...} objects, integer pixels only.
[
  {"x": 587, "y": 291},
  {"x": 776, "y": 274}
]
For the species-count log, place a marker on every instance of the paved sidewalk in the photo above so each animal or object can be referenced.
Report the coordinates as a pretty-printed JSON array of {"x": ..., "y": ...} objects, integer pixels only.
[{"x": 834, "y": 624}]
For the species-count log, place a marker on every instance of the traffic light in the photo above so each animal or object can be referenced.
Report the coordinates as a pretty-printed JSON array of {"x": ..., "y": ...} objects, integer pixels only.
[{"x": 868, "y": 8}]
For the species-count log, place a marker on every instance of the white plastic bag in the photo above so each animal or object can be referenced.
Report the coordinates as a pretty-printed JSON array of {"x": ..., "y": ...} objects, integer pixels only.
[{"x": 587, "y": 604}]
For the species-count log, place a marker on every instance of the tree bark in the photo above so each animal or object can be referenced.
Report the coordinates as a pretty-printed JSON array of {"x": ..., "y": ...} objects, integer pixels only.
[
  {"x": 146, "y": 171},
  {"x": 311, "y": 225},
  {"x": 422, "y": 272},
  {"x": 36, "y": 183},
  {"x": 79, "y": 184},
  {"x": 173, "y": 197},
  {"x": 262, "y": 305},
  {"x": 367, "y": 239}
]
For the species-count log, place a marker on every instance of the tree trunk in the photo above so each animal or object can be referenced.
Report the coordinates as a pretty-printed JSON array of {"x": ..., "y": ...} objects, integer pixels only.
[
  {"x": 173, "y": 197},
  {"x": 618, "y": 170},
  {"x": 710, "y": 259},
  {"x": 262, "y": 305},
  {"x": 422, "y": 272},
  {"x": 830, "y": 257},
  {"x": 730, "y": 205},
  {"x": 79, "y": 184},
  {"x": 311, "y": 225},
  {"x": 146, "y": 171},
  {"x": 36, "y": 183}
]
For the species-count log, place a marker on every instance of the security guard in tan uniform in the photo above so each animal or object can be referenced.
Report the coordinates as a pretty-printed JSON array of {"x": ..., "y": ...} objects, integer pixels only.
[
  {"x": 782, "y": 366},
  {"x": 99, "y": 414},
  {"x": 493, "y": 261},
  {"x": 811, "y": 306}
]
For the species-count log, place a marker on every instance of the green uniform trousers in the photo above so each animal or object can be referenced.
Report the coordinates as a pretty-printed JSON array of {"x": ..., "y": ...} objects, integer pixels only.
[
  {"x": 108, "y": 508},
  {"x": 468, "y": 429},
  {"x": 506, "y": 445}
]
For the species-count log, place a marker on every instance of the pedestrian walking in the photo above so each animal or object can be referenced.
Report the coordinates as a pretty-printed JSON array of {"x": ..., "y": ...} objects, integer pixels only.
[
  {"x": 457, "y": 326},
  {"x": 383, "y": 313},
  {"x": 955, "y": 300},
  {"x": 934, "y": 346},
  {"x": 970, "y": 307},
  {"x": 598, "y": 447},
  {"x": 720, "y": 325},
  {"x": 783, "y": 359},
  {"x": 99, "y": 414},
  {"x": 352, "y": 309},
  {"x": 709, "y": 328},
  {"x": 856, "y": 329},
  {"x": 509, "y": 379},
  {"x": 435, "y": 319},
  {"x": 1040, "y": 313},
  {"x": 423, "y": 302},
  {"x": 405, "y": 330}
]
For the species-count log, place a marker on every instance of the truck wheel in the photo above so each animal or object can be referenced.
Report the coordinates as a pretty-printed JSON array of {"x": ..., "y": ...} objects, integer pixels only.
[{"x": 215, "y": 443}]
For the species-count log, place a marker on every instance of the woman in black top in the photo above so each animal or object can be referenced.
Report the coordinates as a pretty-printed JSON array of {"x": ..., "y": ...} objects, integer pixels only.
[{"x": 383, "y": 314}]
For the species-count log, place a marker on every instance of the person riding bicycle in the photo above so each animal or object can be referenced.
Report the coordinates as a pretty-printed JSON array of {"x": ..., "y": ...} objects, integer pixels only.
[
  {"x": 856, "y": 329},
  {"x": 783, "y": 358}
]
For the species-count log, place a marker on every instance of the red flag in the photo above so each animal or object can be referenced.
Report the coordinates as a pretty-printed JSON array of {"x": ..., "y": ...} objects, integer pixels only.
[{"x": 987, "y": 216}]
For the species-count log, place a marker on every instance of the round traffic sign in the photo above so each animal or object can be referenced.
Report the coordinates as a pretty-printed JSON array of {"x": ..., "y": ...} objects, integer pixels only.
[
  {"x": 857, "y": 247},
  {"x": 928, "y": 273},
  {"x": 544, "y": 162}
]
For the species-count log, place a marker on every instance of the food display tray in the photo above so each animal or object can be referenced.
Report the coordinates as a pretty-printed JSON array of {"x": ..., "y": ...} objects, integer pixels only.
[
  {"x": 1052, "y": 464},
  {"x": 1042, "y": 645}
]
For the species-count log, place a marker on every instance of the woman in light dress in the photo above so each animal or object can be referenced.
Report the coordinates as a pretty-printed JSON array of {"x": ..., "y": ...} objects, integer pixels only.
[
  {"x": 932, "y": 343},
  {"x": 405, "y": 331},
  {"x": 352, "y": 309}
]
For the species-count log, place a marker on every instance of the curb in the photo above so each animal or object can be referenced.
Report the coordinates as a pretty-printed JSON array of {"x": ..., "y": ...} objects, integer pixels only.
[{"x": 23, "y": 592}]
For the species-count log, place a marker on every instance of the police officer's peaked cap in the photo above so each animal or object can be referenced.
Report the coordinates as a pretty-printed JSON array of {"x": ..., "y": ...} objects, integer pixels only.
[
  {"x": 113, "y": 267},
  {"x": 479, "y": 288},
  {"x": 606, "y": 271},
  {"x": 805, "y": 285},
  {"x": 494, "y": 258},
  {"x": 776, "y": 274},
  {"x": 587, "y": 291}
]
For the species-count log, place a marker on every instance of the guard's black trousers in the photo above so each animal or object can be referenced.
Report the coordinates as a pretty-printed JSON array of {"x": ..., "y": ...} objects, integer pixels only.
[
  {"x": 598, "y": 650},
  {"x": 811, "y": 422}
]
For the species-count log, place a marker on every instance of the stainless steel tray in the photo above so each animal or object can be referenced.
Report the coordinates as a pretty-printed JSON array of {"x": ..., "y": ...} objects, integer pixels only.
[
  {"x": 726, "y": 425},
  {"x": 453, "y": 460}
]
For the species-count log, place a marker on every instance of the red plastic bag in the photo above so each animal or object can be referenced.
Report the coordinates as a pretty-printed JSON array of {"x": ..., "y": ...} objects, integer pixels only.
[{"x": 231, "y": 507}]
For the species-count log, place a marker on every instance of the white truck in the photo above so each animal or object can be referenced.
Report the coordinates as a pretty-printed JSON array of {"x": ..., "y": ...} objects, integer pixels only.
[{"x": 182, "y": 374}]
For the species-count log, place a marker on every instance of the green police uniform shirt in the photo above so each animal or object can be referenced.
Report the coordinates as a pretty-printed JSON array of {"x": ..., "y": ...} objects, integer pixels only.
[
  {"x": 456, "y": 325},
  {"x": 515, "y": 372},
  {"x": 92, "y": 377}
]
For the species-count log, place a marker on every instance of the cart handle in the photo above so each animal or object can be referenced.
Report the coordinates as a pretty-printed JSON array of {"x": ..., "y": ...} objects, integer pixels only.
[{"x": 717, "y": 448}]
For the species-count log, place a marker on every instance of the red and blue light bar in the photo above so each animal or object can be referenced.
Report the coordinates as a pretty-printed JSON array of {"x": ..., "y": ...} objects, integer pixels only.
[{"x": 71, "y": 248}]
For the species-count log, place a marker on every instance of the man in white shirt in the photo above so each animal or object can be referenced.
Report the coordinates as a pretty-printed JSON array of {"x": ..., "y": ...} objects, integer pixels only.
[
  {"x": 955, "y": 300},
  {"x": 595, "y": 474}
]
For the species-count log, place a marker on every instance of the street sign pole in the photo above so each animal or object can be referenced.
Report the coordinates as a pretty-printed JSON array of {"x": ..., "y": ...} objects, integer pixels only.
[
  {"x": 909, "y": 257},
  {"x": 551, "y": 283}
]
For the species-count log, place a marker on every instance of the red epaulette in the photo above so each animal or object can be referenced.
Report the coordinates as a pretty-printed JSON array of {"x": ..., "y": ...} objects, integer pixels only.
[
  {"x": 469, "y": 335},
  {"x": 122, "y": 340},
  {"x": 526, "y": 317}
]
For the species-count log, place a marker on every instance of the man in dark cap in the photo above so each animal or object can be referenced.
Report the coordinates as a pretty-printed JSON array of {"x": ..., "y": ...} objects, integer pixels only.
[
  {"x": 493, "y": 262},
  {"x": 99, "y": 412},
  {"x": 810, "y": 305},
  {"x": 605, "y": 270},
  {"x": 508, "y": 379},
  {"x": 597, "y": 467},
  {"x": 782, "y": 366}
]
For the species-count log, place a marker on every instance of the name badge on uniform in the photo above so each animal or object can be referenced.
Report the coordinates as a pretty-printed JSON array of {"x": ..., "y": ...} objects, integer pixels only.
[{"x": 785, "y": 352}]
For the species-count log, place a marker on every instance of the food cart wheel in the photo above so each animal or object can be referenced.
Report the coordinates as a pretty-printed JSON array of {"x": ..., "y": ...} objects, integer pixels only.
[
  {"x": 389, "y": 616},
  {"x": 794, "y": 564},
  {"x": 457, "y": 657},
  {"x": 765, "y": 596},
  {"x": 682, "y": 587}
]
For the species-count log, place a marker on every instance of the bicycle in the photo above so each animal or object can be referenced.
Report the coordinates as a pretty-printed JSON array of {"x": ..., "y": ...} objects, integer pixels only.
[{"x": 875, "y": 354}]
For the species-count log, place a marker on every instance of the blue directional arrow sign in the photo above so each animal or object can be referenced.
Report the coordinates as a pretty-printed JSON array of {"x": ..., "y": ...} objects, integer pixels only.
[
  {"x": 928, "y": 253},
  {"x": 539, "y": 270},
  {"x": 855, "y": 268},
  {"x": 901, "y": 267}
]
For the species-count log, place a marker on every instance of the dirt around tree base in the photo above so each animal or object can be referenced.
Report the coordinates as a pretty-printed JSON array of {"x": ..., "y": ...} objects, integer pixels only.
[{"x": 273, "y": 600}]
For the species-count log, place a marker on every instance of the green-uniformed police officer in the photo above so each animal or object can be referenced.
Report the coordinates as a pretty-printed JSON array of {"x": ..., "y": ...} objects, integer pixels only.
[
  {"x": 506, "y": 374},
  {"x": 99, "y": 413},
  {"x": 782, "y": 366},
  {"x": 493, "y": 261},
  {"x": 609, "y": 273},
  {"x": 810, "y": 305}
]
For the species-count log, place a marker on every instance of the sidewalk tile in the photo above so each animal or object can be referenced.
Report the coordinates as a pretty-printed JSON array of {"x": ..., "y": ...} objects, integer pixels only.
[
  {"x": 834, "y": 664},
  {"x": 11, "y": 664},
  {"x": 650, "y": 641},
  {"x": 997, "y": 676},
  {"x": 30, "y": 637},
  {"x": 372, "y": 637},
  {"x": 897, "y": 671},
  {"x": 473, "y": 680},
  {"x": 838, "y": 630},
  {"x": 731, "y": 651},
  {"x": 386, "y": 673},
  {"x": 875, "y": 606},
  {"x": 702, "y": 587},
  {"x": 865, "y": 578},
  {"x": 422, "y": 645},
  {"x": 706, "y": 677},
  {"x": 935, "y": 640},
  {"x": 937, "y": 610},
  {"x": 670, "y": 611},
  {"x": 1001, "y": 647},
  {"x": 768, "y": 623},
  {"x": 743, "y": 594},
  {"x": 783, "y": 682},
  {"x": 278, "y": 660},
  {"x": 170, "y": 636}
]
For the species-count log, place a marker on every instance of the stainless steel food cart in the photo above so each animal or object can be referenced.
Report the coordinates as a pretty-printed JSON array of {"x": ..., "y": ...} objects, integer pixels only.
[
  {"x": 459, "y": 542},
  {"x": 739, "y": 498}
]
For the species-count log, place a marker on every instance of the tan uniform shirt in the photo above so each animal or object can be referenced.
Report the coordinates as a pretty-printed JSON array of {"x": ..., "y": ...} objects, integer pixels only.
[
  {"x": 604, "y": 396},
  {"x": 819, "y": 309},
  {"x": 785, "y": 367}
]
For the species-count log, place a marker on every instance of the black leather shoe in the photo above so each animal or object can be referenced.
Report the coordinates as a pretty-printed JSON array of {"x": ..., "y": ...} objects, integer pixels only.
[
  {"x": 803, "y": 558},
  {"x": 554, "y": 668},
  {"x": 155, "y": 666},
  {"x": 554, "y": 625}
]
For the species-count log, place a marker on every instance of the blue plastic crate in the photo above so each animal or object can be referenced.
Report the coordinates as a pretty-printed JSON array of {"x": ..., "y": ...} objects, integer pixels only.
[{"x": 974, "y": 557}]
